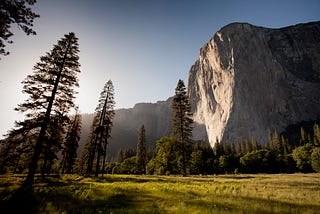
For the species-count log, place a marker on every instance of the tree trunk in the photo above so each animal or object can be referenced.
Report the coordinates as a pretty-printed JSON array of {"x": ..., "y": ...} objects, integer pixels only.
[
  {"x": 43, "y": 169},
  {"x": 104, "y": 154},
  {"x": 37, "y": 148},
  {"x": 97, "y": 165},
  {"x": 92, "y": 152},
  {"x": 16, "y": 165},
  {"x": 63, "y": 164}
]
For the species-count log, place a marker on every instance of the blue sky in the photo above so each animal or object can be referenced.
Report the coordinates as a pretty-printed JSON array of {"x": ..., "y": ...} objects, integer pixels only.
[{"x": 143, "y": 46}]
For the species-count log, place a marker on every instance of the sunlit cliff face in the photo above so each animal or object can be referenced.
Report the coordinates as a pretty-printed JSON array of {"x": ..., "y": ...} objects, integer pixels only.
[{"x": 242, "y": 84}]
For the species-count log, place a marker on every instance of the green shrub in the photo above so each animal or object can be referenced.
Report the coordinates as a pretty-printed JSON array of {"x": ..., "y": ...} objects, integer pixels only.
[
  {"x": 302, "y": 156},
  {"x": 315, "y": 159}
]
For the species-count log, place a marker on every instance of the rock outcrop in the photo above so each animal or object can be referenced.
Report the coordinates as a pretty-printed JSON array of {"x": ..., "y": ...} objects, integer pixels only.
[{"x": 249, "y": 80}]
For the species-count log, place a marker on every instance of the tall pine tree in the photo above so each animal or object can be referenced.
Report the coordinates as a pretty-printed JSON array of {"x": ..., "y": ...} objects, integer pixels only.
[
  {"x": 69, "y": 153},
  {"x": 51, "y": 94},
  {"x": 101, "y": 129},
  {"x": 141, "y": 157},
  {"x": 182, "y": 126}
]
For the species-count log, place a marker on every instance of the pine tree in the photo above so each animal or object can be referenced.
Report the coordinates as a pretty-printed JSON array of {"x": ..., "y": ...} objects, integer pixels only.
[
  {"x": 51, "y": 93},
  {"x": 15, "y": 11},
  {"x": 101, "y": 129},
  {"x": 120, "y": 156},
  {"x": 82, "y": 165},
  {"x": 255, "y": 145},
  {"x": 182, "y": 125},
  {"x": 316, "y": 135},
  {"x": 285, "y": 145},
  {"x": 88, "y": 153},
  {"x": 141, "y": 158},
  {"x": 275, "y": 144},
  {"x": 71, "y": 143},
  {"x": 303, "y": 137}
]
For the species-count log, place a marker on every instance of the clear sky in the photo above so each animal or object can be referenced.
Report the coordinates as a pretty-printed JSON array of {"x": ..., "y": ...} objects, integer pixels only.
[{"x": 143, "y": 46}]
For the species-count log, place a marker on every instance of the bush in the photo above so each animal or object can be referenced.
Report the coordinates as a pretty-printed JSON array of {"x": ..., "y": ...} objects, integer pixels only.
[
  {"x": 116, "y": 169},
  {"x": 228, "y": 163},
  {"x": 286, "y": 164},
  {"x": 315, "y": 159},
  {"x": 259, "y": 161},
  {"x": 151, "y": 167},
  {"x": 128, "y": 166},
  {"x": 302, "y": 156}
]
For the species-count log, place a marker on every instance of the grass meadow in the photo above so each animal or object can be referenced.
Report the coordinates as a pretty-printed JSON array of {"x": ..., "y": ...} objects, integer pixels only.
[{"x": 263, "y": 193}]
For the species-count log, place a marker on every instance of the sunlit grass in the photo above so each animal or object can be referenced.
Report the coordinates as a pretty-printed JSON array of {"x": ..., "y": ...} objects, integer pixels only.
[{"x": 294, "y": 193}]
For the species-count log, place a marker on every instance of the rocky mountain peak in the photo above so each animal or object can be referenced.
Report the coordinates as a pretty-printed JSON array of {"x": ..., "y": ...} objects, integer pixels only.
[{"x": 250, "y": 79}]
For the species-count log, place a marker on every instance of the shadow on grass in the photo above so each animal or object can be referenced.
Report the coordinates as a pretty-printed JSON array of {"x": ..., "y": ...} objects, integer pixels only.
[
  {"x": 153, "y": 178},
  {"x": 237, "y": 177},
  {"x": 22, "y": 200},
  {"x": 62, "y": 197},
  {"x": 67, "y": 203},
  {"x": 113, "y": 179},
  {"x": 81, "y": 198}
]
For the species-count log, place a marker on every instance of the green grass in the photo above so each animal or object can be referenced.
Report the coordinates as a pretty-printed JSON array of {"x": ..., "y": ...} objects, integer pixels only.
[{"x": 281, "y": 193}]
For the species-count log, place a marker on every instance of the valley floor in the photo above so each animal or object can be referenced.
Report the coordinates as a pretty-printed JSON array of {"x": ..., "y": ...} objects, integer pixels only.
[{"x": 263, "y": 193}]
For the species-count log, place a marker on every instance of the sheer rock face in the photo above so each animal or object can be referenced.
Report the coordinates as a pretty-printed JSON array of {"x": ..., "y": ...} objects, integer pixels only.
[{"x": 249, "y": 80}]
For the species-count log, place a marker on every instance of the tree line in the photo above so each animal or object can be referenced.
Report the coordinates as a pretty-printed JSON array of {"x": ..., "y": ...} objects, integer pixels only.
[{"x": 278, "y": 156}]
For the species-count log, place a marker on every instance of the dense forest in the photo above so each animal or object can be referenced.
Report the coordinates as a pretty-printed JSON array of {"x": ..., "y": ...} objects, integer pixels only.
[
  {"x": 278, "y": 156},
  {"x": 46, "y": 141}
]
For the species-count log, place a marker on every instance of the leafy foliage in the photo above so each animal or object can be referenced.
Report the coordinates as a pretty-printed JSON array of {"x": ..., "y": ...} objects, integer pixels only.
[
  {"x": 166, "y": 159},
  {"x": 315, "y": 159},
  {"x": 302, "y": 156},
  {"x": 128, "y": 166},
  {"x": 257, "y": 161},
  {"x": 18, "y": 12}
]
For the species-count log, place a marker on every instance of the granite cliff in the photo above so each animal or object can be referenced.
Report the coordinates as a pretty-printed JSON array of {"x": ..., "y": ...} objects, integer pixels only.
[{"x": 250, "y": 79}]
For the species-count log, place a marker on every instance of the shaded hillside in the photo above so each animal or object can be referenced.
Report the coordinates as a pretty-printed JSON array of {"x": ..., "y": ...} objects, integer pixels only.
[{"x": 156, "y": 117}]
